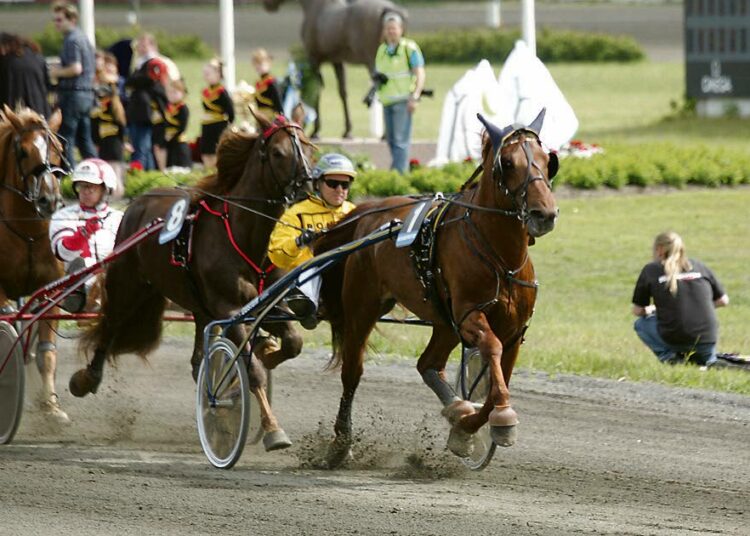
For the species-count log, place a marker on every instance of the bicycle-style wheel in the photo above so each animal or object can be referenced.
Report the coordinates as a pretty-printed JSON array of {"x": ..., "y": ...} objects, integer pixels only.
[
  {"x": 473, "y": 384},
  {"x": 12, "y": 382},
  {"x": 222, "y": 404}
]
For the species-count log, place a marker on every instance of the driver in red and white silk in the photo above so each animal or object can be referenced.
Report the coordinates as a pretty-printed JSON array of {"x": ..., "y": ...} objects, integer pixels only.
[{"x": 86, "y": 230}]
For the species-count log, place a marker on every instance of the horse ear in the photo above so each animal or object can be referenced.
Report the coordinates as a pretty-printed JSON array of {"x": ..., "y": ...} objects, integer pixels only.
[
  {"x": 536, "y": 124},
  {"x": 553, "y": 166},
  {"x": 263, "y": 121},
  {"x": 55, "y": 120},
  {"x": 12, "y": 118},
  {"x": 495, "y": 134}
]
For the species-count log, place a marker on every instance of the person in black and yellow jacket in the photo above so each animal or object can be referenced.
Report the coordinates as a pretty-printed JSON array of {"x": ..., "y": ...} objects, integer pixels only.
[
  {"x": 176, "y": 116},
  {"x": 267, "y": 92},
  {"x": 218, "y": 111},
  {"x": 289, "y": 245}
]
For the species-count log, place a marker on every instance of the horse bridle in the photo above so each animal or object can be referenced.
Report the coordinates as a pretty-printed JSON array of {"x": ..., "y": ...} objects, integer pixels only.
[
  {"x": 34, "y": 179},
  {"x": 297, "y": 179},
  {"x": 520, "y": 210}
]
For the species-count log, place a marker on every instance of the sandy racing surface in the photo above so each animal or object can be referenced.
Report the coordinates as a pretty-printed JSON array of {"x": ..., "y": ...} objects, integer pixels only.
[{"x": 593, "y": 457}]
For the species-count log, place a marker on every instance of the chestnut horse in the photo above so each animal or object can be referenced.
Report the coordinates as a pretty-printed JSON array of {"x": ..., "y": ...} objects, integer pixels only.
[
  {"x": 483, "y": 290},
  {"x": 258, "y": 172},
  {"x": 30, "y": 156}
]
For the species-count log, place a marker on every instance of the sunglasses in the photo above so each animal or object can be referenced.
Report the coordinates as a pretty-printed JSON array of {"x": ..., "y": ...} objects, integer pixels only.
[{"x": 332, "y": 184}]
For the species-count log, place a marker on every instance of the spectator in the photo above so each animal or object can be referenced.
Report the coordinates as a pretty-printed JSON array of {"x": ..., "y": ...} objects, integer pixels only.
[
  {"x": 176, "y": 119},
  {"x": 289, "y": 245},
  {"x": 147, "y": 98},
  {"x": 24, "y": 80},
  {"x": 75, "y": 88},
  {"x": 108, "y": 118},
  {"x": 267, "y": 92},
  {"x": 681, "y": 323},
  {"x": 218, "y": 111},
  {"x": 400, "y": 65},
  {"x": 84, "y": 233}
]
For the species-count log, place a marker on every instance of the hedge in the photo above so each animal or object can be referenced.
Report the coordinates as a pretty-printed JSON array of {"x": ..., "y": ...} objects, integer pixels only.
[
  {"x": 171, "y": 45},
  {"x": 660, "y": 164},
  {"x": 470, "y": 46}
]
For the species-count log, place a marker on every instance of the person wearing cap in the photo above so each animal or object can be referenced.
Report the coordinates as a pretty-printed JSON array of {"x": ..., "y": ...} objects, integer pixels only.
[
  {"x": 83, "y": 233},
  {"x": 289, "y": 245},
  {"x": 75, "y": 87},
  {"x": 399, "y": 64}
]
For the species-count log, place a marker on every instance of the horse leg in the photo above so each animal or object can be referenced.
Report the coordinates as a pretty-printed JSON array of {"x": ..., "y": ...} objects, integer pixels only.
[
  {"x": 316, "y": 105},
  {"x": 341, "y": 79},
  {"x": 352, "y": 351},
  {"x": 46, "y": 362},
  {"x": 270, "y": 353},
  {"x": 274, "y": 437},
  {"x": 497, "y": 409}
]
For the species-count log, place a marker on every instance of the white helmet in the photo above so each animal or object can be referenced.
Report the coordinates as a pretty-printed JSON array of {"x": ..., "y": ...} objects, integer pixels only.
[{"x": 95, "y": 171}]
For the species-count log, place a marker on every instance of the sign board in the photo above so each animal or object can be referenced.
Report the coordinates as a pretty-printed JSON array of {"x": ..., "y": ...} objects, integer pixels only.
[{"x": 717, "y": 48}]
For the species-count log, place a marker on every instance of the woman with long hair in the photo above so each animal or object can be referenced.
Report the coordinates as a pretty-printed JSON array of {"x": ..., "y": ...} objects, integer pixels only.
[
  {"x": 681, "y": 323},
  {"x": 24, "y": 79}
]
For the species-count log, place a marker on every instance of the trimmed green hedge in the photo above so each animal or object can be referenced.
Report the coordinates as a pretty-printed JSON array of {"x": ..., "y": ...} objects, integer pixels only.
[
  {"x": 660, "y": 164},
  {"x": 470, "y": 46},
  {"x": 172, "y": 46}
]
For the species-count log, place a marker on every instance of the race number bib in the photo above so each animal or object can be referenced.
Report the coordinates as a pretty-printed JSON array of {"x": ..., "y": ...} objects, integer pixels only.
[{"x": 174, "y": 219}]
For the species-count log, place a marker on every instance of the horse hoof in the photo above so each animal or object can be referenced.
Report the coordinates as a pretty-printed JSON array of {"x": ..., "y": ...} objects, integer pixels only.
[
  {"x": 339, "y": 452},
  {"x": 460, "y": 442},
  {"x": 457, "y": 410},
  {"x": 83, "y": 382},
  {"x": 503, "y": 416},
  {"x": 276, "y": 440},
  {"x": 504, "y": 436}
]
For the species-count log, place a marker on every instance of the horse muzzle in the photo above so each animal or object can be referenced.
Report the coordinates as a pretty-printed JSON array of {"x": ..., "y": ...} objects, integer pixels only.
[{"x": 541, "y": 222}]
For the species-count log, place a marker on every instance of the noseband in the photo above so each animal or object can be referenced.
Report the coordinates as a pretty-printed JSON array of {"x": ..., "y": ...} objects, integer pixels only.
[
  {"x": 297, "y": 178},
  {"x": 520, "y": 210},
  {"x": 33, "y": 179}
]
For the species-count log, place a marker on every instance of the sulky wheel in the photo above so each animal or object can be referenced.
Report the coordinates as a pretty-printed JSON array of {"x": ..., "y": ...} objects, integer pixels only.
[
  {"x": 12, "y": 377},
  {"x": 222, "y": 404},
  {"x": 473, "y": 384}
]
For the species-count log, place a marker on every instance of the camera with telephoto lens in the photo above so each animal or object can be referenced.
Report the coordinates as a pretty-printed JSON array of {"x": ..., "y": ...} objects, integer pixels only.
[{"x": 378, "y": 79}]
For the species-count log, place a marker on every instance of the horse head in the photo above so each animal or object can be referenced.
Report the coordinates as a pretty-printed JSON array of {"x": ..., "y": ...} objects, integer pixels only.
[
  {"x": 285, "y": 156},
  {"x": 522, "y": 171},
  {"x": 34, "y": 168}
]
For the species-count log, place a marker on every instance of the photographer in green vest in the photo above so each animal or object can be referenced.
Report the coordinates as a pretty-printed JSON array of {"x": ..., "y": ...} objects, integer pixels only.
[{"x": 399, "y": 67}]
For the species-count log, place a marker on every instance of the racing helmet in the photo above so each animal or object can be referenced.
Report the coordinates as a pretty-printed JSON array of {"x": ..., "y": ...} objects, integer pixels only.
[
  {"x": 95, "y": 171},
  {"x": 334, "y": 164}
]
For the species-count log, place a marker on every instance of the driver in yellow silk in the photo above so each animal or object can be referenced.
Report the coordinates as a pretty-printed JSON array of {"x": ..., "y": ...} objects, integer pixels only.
[
  {"x": 290, "y": 241},
  {"x": 289, "y": 245}
]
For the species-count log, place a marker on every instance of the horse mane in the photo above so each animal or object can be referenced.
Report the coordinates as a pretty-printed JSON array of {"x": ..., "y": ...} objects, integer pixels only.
[{"x": 232, "y": 155}]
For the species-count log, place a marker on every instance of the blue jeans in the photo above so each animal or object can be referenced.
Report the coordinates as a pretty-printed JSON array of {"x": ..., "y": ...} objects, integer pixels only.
[
  {"x": 143, "y": 151},
  {"x": 702, "y": 353},
  {"x": 397, "y": 121},
  {"x": 76, "y": 123}
]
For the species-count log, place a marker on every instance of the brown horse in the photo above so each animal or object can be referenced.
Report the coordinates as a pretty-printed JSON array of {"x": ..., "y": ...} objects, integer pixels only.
[
  {"x": 483, "y": 290},
  {"x": 30, "y": 156},
  {"x": 257, "y": 172},
  {"x": 341, "y": 32}
]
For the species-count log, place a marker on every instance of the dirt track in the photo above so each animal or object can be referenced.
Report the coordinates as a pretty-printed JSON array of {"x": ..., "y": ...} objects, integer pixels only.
[{"x": 593, "y": 456}]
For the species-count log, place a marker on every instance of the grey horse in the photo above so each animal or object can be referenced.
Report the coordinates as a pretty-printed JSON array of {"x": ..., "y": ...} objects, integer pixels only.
[{"x": 341, "y": 32}]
